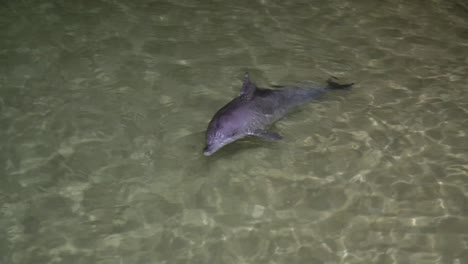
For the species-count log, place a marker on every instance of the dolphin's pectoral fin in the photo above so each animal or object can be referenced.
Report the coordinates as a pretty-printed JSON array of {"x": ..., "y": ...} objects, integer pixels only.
[
  {"x": 267, "y": 135},
  {"x": 248, "y": 88}
]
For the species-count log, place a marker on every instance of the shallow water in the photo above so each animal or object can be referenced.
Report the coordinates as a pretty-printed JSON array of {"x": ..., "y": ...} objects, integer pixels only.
[{"x": 104, "y": 106}]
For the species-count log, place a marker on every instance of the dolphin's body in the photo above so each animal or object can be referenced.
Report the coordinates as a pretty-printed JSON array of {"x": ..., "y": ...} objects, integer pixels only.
[{"x": 254, "y": 110}]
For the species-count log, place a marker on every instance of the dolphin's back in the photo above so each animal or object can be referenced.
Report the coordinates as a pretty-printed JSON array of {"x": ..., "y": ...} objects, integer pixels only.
[
  {"x": 280, "y": 102},
  {"x": 264, "y": 108},
  {"x": 293, "y": 97}
]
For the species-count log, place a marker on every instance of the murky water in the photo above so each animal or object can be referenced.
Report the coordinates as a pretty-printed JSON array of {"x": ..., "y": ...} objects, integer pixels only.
[{"x": 104, "y": 105}]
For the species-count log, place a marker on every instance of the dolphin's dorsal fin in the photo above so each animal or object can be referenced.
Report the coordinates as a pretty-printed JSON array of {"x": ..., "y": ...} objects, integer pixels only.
[{"x": 248, "y": 88}]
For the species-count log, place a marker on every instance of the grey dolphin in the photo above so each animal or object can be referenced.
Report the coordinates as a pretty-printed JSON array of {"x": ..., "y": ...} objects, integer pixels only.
[{"x": 254, "y": 110}]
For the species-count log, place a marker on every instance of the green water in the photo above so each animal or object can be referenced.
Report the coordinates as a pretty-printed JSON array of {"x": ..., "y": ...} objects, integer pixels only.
[{"x": 103, "y": 107}]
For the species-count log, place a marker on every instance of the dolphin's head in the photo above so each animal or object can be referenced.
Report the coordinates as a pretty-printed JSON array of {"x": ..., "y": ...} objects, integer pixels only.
[
  {"x": 217, "y": 136},
  {"x": 217, "y": 140}
]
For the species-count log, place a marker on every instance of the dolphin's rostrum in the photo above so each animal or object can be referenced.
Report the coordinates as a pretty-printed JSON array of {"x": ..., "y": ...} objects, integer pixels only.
[{"x": 254, "y": 110}]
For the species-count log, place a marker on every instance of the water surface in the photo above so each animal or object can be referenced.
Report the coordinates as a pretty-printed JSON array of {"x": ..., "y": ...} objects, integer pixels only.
[{"x": 103, "y": 107}]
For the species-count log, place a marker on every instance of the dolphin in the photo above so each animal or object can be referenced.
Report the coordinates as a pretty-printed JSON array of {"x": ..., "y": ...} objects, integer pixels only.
[{"x": 255, "y": 109}]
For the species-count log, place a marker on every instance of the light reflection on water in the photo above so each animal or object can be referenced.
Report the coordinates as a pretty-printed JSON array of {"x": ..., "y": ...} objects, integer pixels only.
[{"x": 103, "y": 109}]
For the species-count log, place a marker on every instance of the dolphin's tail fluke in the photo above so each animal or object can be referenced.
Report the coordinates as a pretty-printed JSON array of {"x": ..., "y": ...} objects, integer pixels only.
[{"x": 331, "y": 85}]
